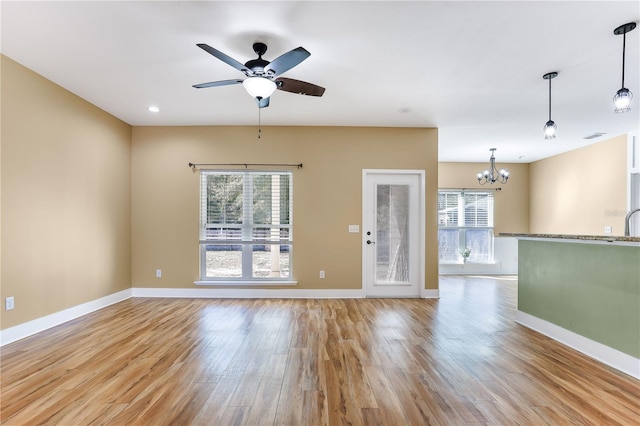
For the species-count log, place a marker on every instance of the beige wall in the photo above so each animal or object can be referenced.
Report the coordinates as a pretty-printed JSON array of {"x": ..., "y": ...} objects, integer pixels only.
[
  {"x": 90, "y": 206},
  {"x": 581, "y": 191},
  {"x": 66, "y": 194},
  {"x": 69, "y": 174},
  {"x": 327, "y": 194},
  {"x": 511, "y": 201}
]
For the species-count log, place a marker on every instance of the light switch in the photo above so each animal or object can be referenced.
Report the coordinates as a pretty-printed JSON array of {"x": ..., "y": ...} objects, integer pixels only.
[{"x": 354, "y": 228}]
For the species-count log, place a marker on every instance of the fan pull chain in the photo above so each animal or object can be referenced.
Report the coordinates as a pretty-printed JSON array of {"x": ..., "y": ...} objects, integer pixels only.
[{"x": 259, "y": 122}]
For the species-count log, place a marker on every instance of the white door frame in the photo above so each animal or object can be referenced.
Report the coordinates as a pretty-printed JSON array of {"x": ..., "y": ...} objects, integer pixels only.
[{"x": 421, "y": 222}]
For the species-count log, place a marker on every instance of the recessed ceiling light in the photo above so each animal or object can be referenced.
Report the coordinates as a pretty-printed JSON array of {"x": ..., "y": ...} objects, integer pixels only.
[{"x": 153, "y": 108}]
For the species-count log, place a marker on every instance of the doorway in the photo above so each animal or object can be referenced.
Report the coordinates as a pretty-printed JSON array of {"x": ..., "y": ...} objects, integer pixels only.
[{"x": 393, "y": 233}]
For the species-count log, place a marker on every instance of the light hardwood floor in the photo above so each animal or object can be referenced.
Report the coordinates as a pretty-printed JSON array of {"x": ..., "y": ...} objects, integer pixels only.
[{"x": 454, "y": 361}]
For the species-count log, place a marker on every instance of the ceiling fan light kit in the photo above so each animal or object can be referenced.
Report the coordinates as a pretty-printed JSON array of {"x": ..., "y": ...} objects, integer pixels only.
[
  {"x": 623, "y": 97},
  {"x": 259, "y": 87}
]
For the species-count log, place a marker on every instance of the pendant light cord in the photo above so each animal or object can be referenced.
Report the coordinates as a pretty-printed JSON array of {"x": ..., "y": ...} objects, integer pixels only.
[
  {"x": 624, "y": 42},
  {"x": 549, "y": 99}
]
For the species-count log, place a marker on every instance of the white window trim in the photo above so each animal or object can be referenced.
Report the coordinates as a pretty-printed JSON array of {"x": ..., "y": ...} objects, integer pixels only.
[
  {"x": 256, "y": 282},
  {"x": 245, "y": 281},
  {"x": 462, "y": 227}
]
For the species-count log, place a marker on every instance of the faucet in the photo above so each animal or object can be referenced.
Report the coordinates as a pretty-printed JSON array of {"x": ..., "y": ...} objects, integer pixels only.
[{"x": 627, "y": 221}]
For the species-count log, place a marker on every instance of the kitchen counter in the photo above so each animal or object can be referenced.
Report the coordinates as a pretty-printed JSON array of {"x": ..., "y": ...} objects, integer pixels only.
[
  {"x": 585, "y": 238},
  {"x": 583, "y": 291}
]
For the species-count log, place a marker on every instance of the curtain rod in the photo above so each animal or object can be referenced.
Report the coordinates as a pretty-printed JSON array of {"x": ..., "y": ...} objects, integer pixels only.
[
  {"x": 471, "y": 189},
  {"x": 246, "y": 165}
]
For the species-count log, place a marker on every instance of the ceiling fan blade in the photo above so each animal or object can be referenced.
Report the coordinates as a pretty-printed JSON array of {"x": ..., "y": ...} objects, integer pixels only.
[
  {"x": 299, "y": 87},
  {"x": 224, "y": 58},
  {"x": 262, "y": 103},
  {"x": 217, "y": 83},
  {"x": 287, "y": 61}
]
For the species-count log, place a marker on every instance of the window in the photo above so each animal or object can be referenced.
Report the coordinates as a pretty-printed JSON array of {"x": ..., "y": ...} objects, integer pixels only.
[
  {"x": 465, "y": 221},
  {"x": 245, "y": 225}
]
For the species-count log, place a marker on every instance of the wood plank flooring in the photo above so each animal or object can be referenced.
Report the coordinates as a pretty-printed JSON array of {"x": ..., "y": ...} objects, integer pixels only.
[{"x": 459, "y": 360}]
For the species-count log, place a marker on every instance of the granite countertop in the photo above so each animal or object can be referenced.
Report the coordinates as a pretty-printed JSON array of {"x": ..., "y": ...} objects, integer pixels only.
[{"x": 607, "y": 238}]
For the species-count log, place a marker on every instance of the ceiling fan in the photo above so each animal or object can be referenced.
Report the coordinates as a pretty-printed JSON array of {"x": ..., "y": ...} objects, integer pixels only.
[{"x": 263, "y": 77}]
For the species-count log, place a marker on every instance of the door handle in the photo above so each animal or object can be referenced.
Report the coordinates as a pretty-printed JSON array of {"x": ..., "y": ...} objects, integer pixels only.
[{"x": 370, "y": 242}]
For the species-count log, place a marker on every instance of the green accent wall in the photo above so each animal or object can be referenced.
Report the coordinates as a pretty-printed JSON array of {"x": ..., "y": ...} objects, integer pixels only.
[{"x": 590, "y": 289}]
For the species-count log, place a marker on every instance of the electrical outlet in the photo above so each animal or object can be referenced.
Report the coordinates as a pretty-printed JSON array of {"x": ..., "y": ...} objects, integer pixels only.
[
  {"x": 321, "y": 274},
  {"x": 158, "y": 273},
  {"x": 9, "y": 303},
  {"x": 607, "y": 229}
]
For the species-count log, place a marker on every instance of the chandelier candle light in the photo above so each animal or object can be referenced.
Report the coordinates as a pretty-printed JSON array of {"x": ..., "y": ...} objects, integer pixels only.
[
  {"x": 550, "y": 126},
  {"x": 492, "y": 175},
  {"x": 623, "y": 97}
]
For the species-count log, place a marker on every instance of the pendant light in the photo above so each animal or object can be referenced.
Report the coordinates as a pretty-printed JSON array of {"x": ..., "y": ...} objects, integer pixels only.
[
  {"x": 550, "y": 126},
  {"x": 623, "y": 97}
]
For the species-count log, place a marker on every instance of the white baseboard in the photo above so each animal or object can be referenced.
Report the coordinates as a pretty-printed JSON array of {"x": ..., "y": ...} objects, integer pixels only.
[
  {"x": 29, "y": 328},
  {"x": 605, "y": 354},
  {"x": 248, "y": 293},
  {"x": 430, "y": 294}
]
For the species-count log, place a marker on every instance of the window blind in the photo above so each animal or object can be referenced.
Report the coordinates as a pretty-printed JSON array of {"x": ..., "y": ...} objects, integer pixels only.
[
  {"x": 465, "y": 209},
  {"x": 478, "y": 209},
  {"x": 242, "y": 207}
]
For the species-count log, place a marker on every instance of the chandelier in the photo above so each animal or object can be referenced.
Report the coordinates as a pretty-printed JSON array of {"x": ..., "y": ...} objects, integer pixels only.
[{"x": 492, "y": 175}]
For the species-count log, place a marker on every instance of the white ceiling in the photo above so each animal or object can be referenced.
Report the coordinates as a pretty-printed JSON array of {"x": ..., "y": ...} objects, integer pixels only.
[{"x": 471, "y": 69}]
